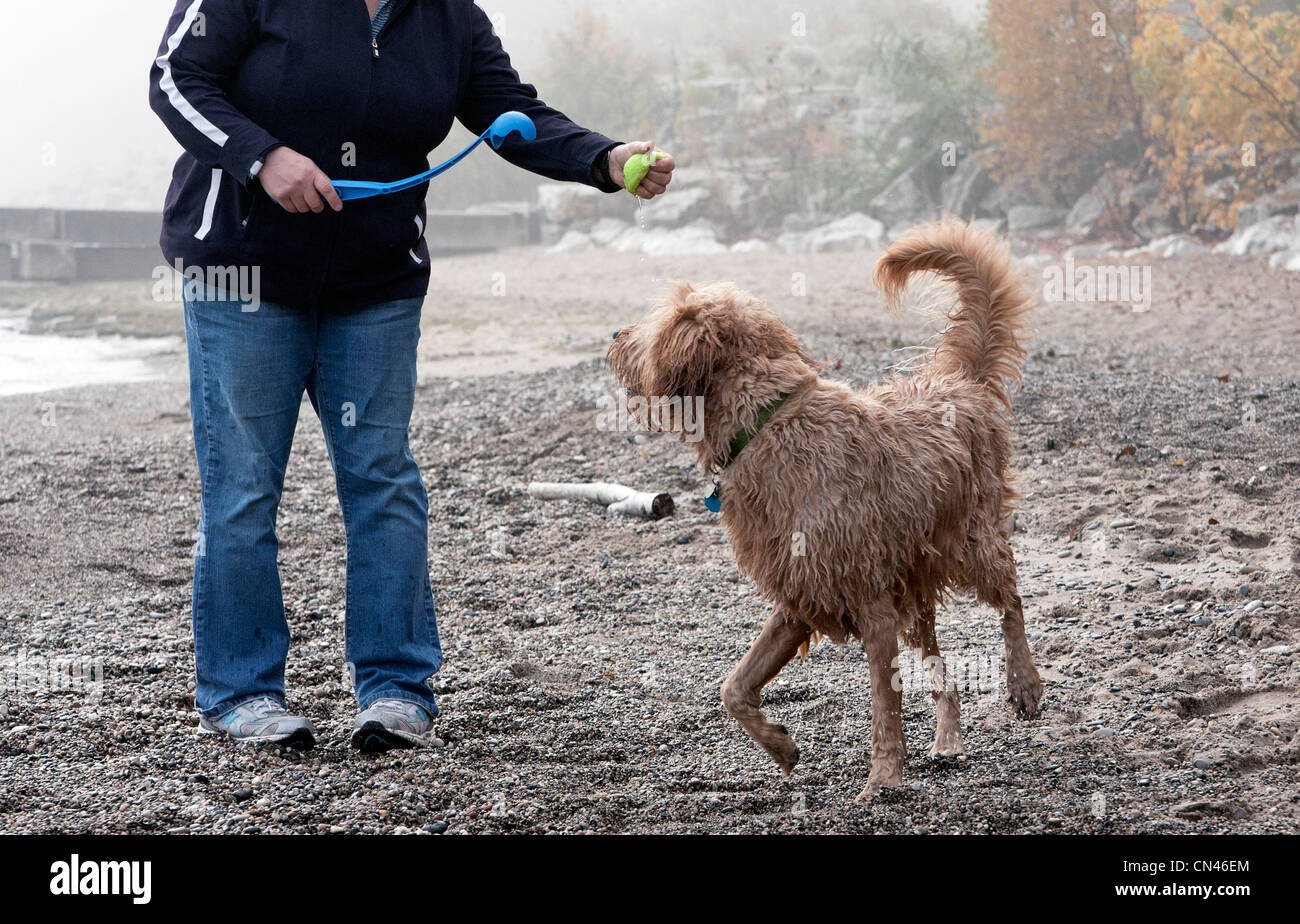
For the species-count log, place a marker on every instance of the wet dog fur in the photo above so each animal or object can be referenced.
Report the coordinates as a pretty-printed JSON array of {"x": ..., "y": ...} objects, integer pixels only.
[{"x": 856, "y": 511}]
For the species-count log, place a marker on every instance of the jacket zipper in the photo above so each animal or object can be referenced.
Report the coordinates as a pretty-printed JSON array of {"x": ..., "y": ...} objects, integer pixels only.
[{"x": 399, "y": 6}]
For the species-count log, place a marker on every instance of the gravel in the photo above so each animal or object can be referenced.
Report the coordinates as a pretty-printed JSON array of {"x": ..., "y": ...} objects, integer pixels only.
[{"x": 584, "y": 652}]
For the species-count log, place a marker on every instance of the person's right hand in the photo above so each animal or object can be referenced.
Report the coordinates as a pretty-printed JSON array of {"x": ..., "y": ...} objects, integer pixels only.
[{"x": 296, "y": 183}]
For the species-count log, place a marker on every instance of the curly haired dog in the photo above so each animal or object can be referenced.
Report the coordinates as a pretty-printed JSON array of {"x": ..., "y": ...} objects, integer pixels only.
[{"x": 856, "y": 511}]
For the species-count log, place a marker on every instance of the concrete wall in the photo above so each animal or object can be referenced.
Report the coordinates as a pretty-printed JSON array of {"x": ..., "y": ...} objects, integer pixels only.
[{"x": 97, "y": 246}]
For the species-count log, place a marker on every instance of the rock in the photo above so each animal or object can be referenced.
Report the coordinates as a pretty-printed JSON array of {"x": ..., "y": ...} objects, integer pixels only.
[
  {"x": 1202, "y": 764},
  {"x": 566, "y": 203},
  {"x": 991, "y": 225},
  {"x": 963, "y": 188},
  {"x": 242, "y": 795},
  {"x": 1199, "y": 808},
  {"x": 1286, "y": 259},
  {"x": 1139, "y": 195},
  {"x": 1267, "y": 236},
  {"x": 1122, "y": 523},
  {"x": 680, "y": 206},
  {"x": 850, "y": 233},
  {"x": 1001, "y": 199},
  {"x": 1033, "y": 217},
  {"x": 697, "y": 238},
  {"x": 606, "y": 230},
  {"x": 912, "y": 196},
  {"x": 1173, "y": 245},
  {"x": 1284, "y": 200},
  {"x": 1156, "y": 219},
  {"x": 1095, "y": 209},
  {"x": 1089, "y": 251},
  {"x": 572, "y": 242}
]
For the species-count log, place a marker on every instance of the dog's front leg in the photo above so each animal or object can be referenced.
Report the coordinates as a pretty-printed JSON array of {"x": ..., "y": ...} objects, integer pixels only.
[
  {"x": 888, "y": 747},
  {"x": 771, "y": 651}
]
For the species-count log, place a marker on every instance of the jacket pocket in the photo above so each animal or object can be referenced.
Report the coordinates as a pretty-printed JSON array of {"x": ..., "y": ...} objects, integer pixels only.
[
  {"x": 271, "y": 236},
  {"x": 384, "y": 224}
]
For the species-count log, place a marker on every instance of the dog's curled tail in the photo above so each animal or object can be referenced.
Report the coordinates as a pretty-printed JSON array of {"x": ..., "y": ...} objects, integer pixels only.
[{"x": 982, "y": 341}]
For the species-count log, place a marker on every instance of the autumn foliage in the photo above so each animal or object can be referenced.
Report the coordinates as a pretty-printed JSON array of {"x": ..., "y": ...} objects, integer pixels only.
[
  {"x": 1062, "y": 80},
  {"x": 1221, "y": 86},
  {"x": 1202, "y": 95}
]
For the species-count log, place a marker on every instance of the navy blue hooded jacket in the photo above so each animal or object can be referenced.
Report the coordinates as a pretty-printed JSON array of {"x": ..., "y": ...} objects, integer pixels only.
[{"x": 236, "y": 78}]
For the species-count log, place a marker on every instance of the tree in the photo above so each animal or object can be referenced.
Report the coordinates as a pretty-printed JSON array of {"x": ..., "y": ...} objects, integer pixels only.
[
  {"x": 1221, "y": 81},
  {"x": 1064, "y": 103}
]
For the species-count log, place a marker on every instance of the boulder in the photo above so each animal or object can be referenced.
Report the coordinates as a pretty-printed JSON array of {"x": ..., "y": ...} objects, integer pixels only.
[
  {"x": 1139, "y": 195},
  {"x": 572, "y": 242},
  {"x": 1157, "y": 218},
  {"x": 1089, "y": 251},
  {"x": 680, "y": 206},
  {"x": 991, "y": 225},
  {"x": 963, "y": 189},
  {"x": 1175, "y": 245},
  {"x": 1282, "y": 201},
  {"x": 697, "y": 238},
  {"x": 1267, "y": 236},
  {"x": 571, "y": 203},
  {"x": 1286, "y": 259},
  {"x": 1001, "y": 199},
  {"x": 604, "y": 232},
  {"x": 1096, "y": 208},
  {"x": 912, "y": 196},
  {"x": 851, "y": 233},
  {"x": 1033, "y": 217}
]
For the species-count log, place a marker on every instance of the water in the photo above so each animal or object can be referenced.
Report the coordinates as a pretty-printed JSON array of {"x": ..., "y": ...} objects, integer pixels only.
[
  {"x": 640, "y": 214},
  {"x": 32, "y": 363}
]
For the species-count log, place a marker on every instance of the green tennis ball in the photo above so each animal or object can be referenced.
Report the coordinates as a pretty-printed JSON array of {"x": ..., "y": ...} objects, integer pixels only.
[{"x": 637, "y": 166}]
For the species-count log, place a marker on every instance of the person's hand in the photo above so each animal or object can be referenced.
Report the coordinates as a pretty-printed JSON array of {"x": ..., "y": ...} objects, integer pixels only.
[
  {"x": 296, "y": 183},
  {"x": 655, "y": 182}
]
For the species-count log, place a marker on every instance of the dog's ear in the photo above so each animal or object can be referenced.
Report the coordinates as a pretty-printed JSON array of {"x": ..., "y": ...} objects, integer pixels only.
[{"x": 688, "y": 347}]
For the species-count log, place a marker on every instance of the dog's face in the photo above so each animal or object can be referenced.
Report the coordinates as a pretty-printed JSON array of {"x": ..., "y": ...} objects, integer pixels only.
[{"x": 701, "y": 344}]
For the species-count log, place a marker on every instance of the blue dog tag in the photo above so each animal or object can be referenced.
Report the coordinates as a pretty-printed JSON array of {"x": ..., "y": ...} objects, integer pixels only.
[{"x": 714, "y": 500}]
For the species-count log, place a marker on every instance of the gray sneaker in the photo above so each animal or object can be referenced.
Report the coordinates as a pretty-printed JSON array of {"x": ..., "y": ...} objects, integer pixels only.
[
  {"x": 262, "y": 721},
  {"x": 392, "y": 723}
]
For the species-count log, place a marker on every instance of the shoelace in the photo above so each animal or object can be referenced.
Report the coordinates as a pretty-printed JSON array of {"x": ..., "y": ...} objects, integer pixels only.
[
  {"x": 412, "y": 712},
  {"x": 261, "y": 708}
]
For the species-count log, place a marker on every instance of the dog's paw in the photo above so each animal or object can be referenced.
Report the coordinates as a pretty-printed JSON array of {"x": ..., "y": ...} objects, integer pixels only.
[
  {"x": 1025, "y": 693},
  {"x": 782, "y": 749},
  {"x": 873, "y": 788},
  {"x": 881, "y": 777},
  {"x": 948, "y": 745}
]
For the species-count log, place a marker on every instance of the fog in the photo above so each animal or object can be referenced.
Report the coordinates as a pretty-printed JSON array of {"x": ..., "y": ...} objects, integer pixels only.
[{"x": 79, "y": 133}]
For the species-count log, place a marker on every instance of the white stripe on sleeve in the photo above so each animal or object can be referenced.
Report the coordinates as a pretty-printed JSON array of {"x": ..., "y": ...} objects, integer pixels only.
[{"x": 179, "y": 102}]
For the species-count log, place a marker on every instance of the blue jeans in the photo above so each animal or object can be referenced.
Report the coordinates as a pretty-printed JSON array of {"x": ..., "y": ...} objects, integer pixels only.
[{"x": 248, "y": 372}]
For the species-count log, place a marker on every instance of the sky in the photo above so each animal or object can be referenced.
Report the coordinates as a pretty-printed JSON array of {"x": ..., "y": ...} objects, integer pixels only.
[{"x": 77, "y": 128}]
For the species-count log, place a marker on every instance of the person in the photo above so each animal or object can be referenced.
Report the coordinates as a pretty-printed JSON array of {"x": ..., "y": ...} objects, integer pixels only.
[{"x": 272, "y": 102}]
